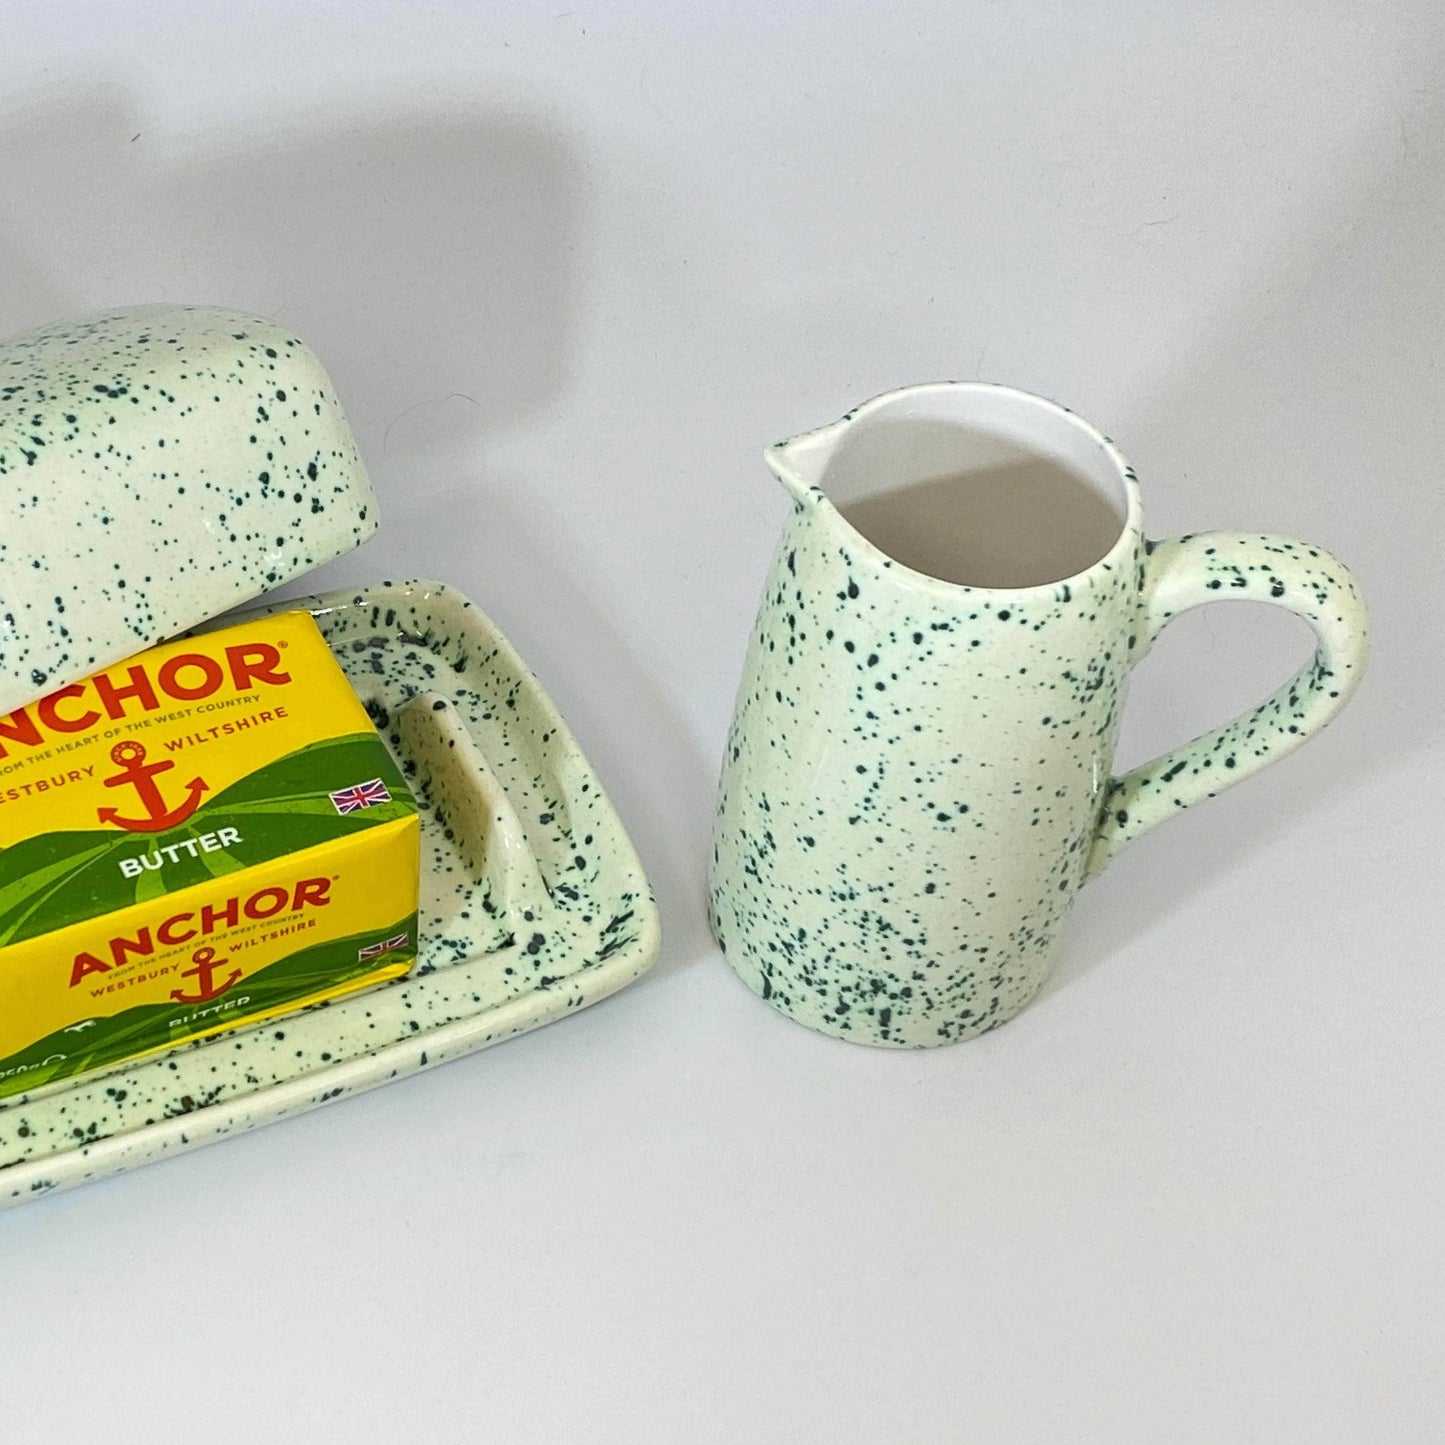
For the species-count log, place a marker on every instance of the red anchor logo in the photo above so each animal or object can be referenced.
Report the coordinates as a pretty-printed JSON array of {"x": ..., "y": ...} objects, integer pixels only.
[
  {"x": 206, "y": 964},
  {"x": 136, "y": 773}
]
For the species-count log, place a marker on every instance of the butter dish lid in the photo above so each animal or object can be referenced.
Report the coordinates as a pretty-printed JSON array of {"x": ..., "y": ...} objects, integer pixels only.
[{"x": 159, "y": 465}]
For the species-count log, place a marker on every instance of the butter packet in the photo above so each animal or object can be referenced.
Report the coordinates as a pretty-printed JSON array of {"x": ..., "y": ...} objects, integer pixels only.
[{"x": 195, "y": 840}]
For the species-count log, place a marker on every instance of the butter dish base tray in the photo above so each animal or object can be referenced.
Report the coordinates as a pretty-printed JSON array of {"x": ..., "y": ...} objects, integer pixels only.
[{"x": 533, "y": 905}]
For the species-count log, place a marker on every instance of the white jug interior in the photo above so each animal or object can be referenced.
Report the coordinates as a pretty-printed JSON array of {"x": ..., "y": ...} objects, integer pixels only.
[{"x": 977, "y": 485}]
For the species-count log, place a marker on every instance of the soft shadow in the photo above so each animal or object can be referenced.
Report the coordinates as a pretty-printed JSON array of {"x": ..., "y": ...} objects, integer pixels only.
[
  {"x": 425, "y": 251},
  {"x": 59, "y": 148},
  {"x": 25, "y": 290},
  {"x": 428, "y": 254},
  {"x": 981, "y": 528},
  {"x": 1369, "y": 383},
  {"x": 548, "y": 594}
]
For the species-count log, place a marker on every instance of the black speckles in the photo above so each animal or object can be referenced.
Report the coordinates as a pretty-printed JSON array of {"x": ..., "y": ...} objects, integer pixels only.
[
  {"x": 119, "y": 418},
  {"x": 921, "y": 708},
  {"x": 840, "y": 809},
  {"x": 1233, "y": 564}
]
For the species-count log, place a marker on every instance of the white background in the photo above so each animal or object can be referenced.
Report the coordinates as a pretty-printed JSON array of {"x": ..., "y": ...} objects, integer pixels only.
[{"x": 571, "y": 267}]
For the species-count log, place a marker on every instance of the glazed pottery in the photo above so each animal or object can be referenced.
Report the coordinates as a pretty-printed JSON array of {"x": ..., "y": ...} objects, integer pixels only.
[
  {"x": 918, "y": 776},
  {"x": 159, "y": 464}
]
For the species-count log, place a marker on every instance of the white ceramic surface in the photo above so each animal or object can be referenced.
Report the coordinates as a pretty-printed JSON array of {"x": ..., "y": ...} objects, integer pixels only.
[
  {"x": 533, "y": 906},
  {"x": 918, "y": 778}
]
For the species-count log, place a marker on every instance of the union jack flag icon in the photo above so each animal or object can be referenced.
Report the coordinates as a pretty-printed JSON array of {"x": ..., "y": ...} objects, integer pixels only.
[
  {"x": 375, "y": 950},
  {"x": 360, "y": 795}
]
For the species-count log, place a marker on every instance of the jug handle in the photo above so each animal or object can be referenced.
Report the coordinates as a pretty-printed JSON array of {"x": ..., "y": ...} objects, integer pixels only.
[{"x": 1230, "y": 566}]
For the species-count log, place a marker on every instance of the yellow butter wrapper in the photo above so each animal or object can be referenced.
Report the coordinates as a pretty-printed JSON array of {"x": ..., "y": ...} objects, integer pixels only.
[{"x": 195, "y": 840}]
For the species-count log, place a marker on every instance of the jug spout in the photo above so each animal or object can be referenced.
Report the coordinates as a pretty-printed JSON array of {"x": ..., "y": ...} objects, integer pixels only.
[{"x": 799, "y": 462}]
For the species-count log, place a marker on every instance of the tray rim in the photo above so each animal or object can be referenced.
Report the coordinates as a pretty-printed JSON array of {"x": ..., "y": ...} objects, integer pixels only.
[{"x": 400, "y": 1058}]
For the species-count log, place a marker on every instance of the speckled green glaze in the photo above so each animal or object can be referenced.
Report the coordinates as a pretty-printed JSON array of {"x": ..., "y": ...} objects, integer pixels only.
[
  {"x": 157, "y": 466},
  {"x": 918, "y": 776},
  {"x": 533, "y": 906}
]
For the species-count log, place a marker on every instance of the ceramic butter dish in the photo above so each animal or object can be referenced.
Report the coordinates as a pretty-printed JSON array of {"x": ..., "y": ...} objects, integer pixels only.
[
  {"x": 533, "y": 903},
  {"x": 159, "y": 465},
  {"x": 533, "y": 906}
]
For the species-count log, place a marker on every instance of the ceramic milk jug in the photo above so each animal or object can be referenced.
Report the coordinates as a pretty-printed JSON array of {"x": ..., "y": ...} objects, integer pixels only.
[{"x": 918, "y": 777}]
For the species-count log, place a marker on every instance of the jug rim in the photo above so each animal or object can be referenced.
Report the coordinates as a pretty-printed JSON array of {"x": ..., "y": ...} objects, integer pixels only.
[{"x": 1130, "y": 535}]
